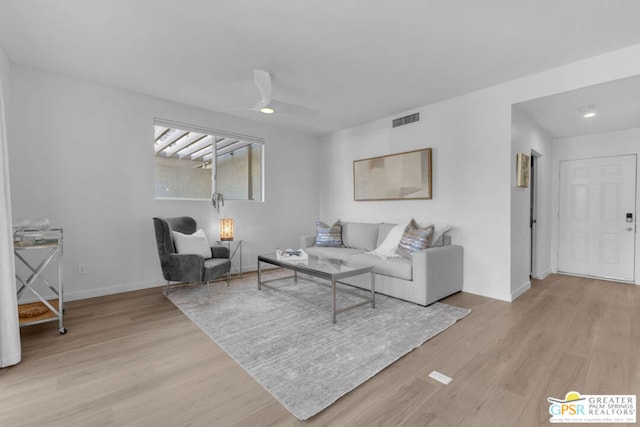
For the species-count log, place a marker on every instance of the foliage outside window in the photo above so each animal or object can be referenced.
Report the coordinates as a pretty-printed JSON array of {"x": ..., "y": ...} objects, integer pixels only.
[{"x": 192, "y": 163}]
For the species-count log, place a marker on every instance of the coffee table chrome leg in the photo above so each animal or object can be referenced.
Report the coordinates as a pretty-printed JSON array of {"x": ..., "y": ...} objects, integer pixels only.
[
  {"x": 259, "y": 281},
  {"x": 373, "y": 290},
  {"x": 333, "y": 303}
]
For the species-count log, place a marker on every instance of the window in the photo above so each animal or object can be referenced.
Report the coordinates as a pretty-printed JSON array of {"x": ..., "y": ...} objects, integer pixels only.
[{"x": 193, "y": 163}]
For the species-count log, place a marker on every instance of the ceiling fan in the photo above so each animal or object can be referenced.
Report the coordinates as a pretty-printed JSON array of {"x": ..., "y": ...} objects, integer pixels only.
[{"x": 267, "y": 105}]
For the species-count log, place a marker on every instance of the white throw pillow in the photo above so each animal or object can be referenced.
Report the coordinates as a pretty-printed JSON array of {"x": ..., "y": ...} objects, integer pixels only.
[
  {"x": 195, "y": 243},
  {"x": 387, "y": 248},
  {"x": 438, "y": 234}
]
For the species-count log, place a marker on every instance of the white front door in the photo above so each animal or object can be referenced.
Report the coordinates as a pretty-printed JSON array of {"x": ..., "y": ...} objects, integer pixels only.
[{"x": 597, "y": 217}]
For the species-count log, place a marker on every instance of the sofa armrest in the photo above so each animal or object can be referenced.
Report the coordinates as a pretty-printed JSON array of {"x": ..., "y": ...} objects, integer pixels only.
[
  {"x": 307, "y": 241},
  {"x": 441, "y": 269},
  {"x": 219, "y": 252},
  {"x": 182, "y": 267}
]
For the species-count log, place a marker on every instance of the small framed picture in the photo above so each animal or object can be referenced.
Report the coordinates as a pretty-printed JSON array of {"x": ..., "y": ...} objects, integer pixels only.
[{"x": 522, "y": 170}]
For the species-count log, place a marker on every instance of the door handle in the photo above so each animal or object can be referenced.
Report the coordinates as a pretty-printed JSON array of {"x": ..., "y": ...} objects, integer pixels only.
[{"x": 629, "y": 228}]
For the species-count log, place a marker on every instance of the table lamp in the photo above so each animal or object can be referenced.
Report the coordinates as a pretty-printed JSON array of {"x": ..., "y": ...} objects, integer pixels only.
[{"x": 226, "y": 229}]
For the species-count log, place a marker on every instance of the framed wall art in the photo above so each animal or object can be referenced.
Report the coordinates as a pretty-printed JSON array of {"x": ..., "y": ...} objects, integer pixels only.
[
  {"x": 401, "y": 176},
  {"x": 522, "y": 170}
]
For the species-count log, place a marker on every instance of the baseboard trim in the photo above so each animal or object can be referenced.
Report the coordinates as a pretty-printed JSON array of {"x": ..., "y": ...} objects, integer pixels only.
[
  {"x": 543, "y": 275},
  {"x": 251, "y": 268},
  {"x": 606, "y": 279},
  {"x": 111, "y": 290},
  {"x": 521, "y": 290},
  {"x": 503, "y": 297}
]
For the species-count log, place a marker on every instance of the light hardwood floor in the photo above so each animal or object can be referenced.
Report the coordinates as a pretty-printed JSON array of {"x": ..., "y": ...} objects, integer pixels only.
[{"x": 135, "y": 359}]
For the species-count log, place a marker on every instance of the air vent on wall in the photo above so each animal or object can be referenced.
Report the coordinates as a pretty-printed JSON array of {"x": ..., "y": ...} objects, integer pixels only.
[{"x": 406, "y": 120}]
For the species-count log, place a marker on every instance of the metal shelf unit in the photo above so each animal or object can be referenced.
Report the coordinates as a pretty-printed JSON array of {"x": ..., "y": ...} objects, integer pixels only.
[{"x": 50, "y": 304}]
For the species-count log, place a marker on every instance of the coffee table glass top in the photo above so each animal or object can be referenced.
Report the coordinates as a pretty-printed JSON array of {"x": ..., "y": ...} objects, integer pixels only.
[
  {"x": 316, "y": 264},
  {"x": 325, "y": 268}
]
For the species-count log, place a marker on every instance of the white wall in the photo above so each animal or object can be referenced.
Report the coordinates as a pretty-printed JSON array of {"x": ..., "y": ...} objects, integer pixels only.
[
  {"x": 5, "y": 69},
  {"x": 81, "y": 154},
  {"x": 59, "y": 128},
  {"x": 463, "y": 192},
  {"x": 473, "y": 161},
  {"x": 528, "y": 136},
  {"x": 584, "y": 147}
]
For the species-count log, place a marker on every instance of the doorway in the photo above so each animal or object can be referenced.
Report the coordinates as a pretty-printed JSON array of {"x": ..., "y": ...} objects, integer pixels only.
[
  {"x": 533, "y": 213},
  {"x": 597, "y": 217}
]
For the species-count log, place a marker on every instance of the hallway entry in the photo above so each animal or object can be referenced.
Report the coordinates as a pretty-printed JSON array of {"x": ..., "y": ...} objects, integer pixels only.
[{"x": 597, "y": 217}]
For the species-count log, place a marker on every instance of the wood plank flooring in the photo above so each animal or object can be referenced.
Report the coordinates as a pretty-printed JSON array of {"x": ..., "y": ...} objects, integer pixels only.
[{"x": 133, "y": 359}]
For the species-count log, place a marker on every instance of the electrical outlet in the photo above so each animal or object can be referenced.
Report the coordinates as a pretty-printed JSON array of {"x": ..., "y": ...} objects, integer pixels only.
[{"x": 82, "y": 269}]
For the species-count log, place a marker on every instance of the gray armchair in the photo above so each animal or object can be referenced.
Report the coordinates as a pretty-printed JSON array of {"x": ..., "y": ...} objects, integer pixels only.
[{"x": 188, "y": 267}]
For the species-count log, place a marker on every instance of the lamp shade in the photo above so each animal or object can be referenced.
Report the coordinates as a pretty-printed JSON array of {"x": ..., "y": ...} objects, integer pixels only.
[{"x": 226, "y": 229}]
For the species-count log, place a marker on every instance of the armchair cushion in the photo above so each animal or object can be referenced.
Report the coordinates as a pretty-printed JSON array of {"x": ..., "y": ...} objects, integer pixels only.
[
  {"x": 195, "y": 243},
  {"x": 215, "y": 267},
  {"x": 219, "y": 252}
]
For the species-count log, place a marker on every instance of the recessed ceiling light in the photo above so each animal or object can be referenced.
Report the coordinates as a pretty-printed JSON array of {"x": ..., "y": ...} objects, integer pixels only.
[{"x": 267, "y": 110}]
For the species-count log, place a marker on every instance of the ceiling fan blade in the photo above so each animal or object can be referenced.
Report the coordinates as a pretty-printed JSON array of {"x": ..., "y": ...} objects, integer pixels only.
[
  {"x": 233, "y": 109},
  {"x": 298, "y": 110},
  {"x": 262, "y": 80}
]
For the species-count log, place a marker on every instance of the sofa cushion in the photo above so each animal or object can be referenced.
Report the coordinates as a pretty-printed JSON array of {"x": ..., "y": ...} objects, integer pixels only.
[
  {"x": 394, "y": 267},
  {"x": 329, "y": 236},
  {"x": 414, "y": 239},
  {"x": 388, "y": 247},
  {"x": 383, "y": 231},
  {"x": 335, "y": 253},
  {"x": 360, "y": 235}
]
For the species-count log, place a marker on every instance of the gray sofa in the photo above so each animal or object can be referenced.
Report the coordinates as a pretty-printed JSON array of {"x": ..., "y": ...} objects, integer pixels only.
[{"x": 430, "y": 275}]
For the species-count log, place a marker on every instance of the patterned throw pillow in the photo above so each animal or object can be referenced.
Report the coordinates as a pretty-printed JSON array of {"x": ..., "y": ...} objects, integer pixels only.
[
  {"x": 329, "y": 236},
  {"x": 414, "y": 239}
]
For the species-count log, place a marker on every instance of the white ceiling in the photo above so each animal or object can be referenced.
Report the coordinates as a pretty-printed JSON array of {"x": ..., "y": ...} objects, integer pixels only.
[
  {"x": 353, "y": 60},
  {"x": 616, "y": 104}
]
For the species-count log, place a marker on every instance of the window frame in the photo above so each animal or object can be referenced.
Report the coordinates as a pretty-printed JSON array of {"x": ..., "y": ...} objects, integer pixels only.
[{"x": 214, "y": 178}]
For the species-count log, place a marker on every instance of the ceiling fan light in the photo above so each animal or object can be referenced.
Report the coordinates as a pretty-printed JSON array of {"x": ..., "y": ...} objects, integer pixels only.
[
  {"x": 267, "y": 110},
  {"x": 587, "y": 111}
]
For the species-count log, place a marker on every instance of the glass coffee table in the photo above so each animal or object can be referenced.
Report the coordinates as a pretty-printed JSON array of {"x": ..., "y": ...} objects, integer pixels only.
[{"x": 332, "y": 270}]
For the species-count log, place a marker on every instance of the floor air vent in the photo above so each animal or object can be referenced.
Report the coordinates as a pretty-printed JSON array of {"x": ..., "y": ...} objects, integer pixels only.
[{"x": 406, "y": 120}]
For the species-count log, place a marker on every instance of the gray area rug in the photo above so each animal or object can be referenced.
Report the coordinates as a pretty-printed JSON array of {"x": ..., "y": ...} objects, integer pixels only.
[{"x": 291, "y": 347}]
